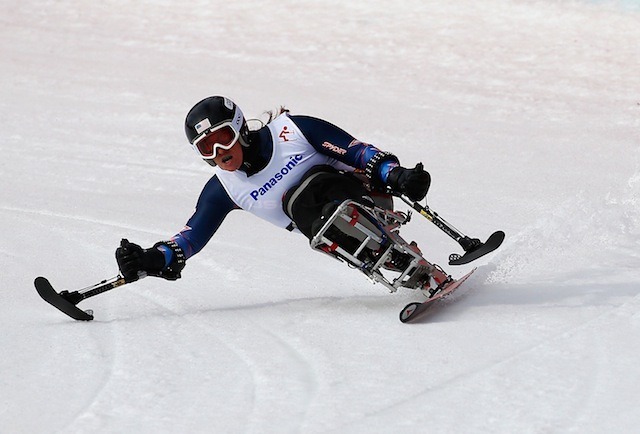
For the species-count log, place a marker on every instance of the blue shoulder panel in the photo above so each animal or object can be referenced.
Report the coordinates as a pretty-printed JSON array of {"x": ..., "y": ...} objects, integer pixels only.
[
  {"x": 331, "y": 140},
  {"x": 213, "y": 206}
]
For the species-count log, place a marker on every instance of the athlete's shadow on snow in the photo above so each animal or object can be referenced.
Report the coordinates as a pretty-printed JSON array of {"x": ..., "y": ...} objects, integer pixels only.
[
  {"x": 561, "y": 294},
  {"x": 477, "y": 294},
  {"x": 307, "y": 306}
]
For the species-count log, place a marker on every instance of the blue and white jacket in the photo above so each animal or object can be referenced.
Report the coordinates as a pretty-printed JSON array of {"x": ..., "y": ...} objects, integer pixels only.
[{"x": 290, "y": 145}]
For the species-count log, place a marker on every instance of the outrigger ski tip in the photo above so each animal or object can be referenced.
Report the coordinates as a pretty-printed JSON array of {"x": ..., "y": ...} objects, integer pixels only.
[
  {"x": 59, "y": 301},
  {"x": 478, "y": 249},
  {"x": 66, "y": 301},
  {"x": 473, "y": 247}
]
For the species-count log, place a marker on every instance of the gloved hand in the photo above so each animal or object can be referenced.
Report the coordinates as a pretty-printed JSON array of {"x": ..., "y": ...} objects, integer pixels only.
[
  {"x": 133, "y": 259},
  {"x": 414, "y": 183}
]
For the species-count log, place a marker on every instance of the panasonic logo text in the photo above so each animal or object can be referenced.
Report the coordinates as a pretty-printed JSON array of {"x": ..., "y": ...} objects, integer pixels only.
[{"x": 279, "y": 176}]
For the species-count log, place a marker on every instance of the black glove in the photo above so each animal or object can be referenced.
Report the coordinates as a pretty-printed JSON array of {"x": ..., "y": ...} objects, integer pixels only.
[
  {"x": 133, "y": 259},
  {"x": 414, "y": 183}
]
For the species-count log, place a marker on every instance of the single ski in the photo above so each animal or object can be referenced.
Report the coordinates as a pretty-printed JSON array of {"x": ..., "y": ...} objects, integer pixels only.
[
  {"x": 478, "y": 249},
  {"x": 412, "y": 311},
  {"x": 59, "y": 301}
]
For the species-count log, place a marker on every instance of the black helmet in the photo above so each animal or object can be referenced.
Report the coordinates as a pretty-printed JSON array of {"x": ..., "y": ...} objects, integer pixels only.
[{"x": 210, "y": 113}]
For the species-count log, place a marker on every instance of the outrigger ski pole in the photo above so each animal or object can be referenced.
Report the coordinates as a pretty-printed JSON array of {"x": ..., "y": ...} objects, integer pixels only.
[{"x": 473, "y": 247}]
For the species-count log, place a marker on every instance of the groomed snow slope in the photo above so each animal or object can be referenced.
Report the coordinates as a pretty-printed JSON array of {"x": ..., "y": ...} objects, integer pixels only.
[{"x": 527, "y": 115}]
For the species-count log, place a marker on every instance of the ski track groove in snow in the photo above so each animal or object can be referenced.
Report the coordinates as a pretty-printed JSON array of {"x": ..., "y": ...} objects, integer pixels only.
[
  {"x": 106, "y": 379},
  {"x": 308, "y": 384},
  {"x": 97, "y": 400},
  {"x": 197, "y": 322},
  {"x": 262, "y": 370}
]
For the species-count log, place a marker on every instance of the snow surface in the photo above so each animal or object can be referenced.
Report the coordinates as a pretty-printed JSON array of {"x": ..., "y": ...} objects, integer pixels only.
[{"x": 527, "y": 115}]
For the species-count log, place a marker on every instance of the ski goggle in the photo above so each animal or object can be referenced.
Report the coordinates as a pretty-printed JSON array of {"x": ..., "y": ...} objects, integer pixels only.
[{"x": 223, "y": 136}]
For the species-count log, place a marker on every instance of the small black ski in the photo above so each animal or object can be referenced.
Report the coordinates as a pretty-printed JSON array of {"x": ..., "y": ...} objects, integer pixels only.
[
  {"x": 66, "y": 301},
  {"x": 59, "y": 301},
  {"x": 473, "y": 247},
  {"x": 478, "y": 249},
  {"x": 415, "y": 310}
]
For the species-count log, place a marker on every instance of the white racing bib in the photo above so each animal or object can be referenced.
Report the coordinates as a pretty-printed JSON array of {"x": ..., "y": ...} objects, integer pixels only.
[{"x": 261, "y": 194}]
